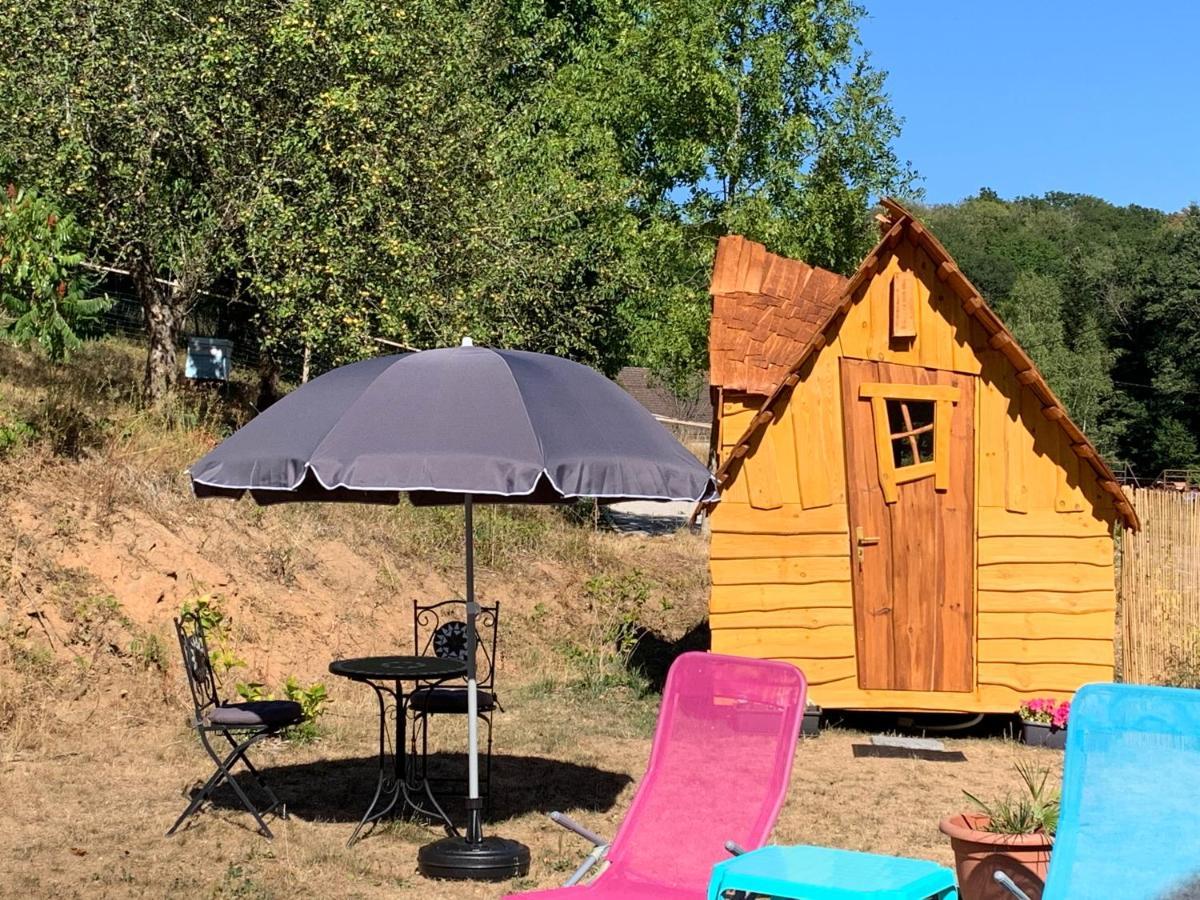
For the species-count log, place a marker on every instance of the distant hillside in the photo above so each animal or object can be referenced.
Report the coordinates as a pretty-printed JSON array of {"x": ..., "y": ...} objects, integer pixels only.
[{"x": 1107, "y": 301}]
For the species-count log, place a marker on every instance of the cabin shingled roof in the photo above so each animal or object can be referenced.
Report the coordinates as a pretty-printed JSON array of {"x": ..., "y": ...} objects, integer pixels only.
[{"x": 766, "y": 309}]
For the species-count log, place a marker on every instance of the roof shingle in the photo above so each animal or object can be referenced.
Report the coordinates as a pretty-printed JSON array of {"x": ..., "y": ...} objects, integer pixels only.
[{"x": 766, "y": 309}]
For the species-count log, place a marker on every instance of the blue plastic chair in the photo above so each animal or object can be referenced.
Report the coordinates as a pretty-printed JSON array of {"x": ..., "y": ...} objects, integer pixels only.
[
  {"x": 822, "y": 873},
  {"x": 1130, "y": 820}
]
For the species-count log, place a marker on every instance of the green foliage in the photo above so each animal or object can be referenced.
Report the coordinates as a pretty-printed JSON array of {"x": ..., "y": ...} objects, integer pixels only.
[
  {"x": 615, "y": 607},
  {"x": 1031, "y": 812},
  {"x": 253, "y": 691},
  {"x": 623, "y": 599},
  {"x": 146, "y": 148},
  {"x": 654, "y": 127},
  {"x": 214, "y": 621},
  {"x": 1104, "y": 299},
  {"x": 207, "y": 609},
  {"x": 43, "y": 294},
  {"x": 15, "y": 433},
  {"x": 312, "y": 700},
  {"x": 537, "y": 175}
]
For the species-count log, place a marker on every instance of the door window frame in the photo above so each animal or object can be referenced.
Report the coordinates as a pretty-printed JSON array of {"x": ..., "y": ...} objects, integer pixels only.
[{"x": 892, "y": 476}]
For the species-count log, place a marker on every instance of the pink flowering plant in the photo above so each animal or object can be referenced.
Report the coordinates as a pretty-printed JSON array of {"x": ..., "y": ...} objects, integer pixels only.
[{"x": 1046, "y": 711}]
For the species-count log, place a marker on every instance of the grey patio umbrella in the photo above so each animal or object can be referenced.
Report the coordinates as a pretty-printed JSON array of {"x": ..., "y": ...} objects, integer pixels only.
[{"x": 457, "y": 425}]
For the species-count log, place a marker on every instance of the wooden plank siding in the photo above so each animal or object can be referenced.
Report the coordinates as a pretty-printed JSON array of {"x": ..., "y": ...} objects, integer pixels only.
[{"x": 781, "y": 549}]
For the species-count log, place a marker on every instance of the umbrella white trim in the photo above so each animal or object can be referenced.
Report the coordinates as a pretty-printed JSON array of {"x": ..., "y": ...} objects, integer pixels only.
[{"x": 708, "y": 495}]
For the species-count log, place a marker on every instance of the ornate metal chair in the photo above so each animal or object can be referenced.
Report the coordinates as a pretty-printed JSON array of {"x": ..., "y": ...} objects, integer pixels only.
[
  {"x": 241, "y": 725},
  {"x": 440, "y": 629}
]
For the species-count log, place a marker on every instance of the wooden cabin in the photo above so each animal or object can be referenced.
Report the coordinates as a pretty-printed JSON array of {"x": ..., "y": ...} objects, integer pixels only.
[{"x": 907, "y": 512}]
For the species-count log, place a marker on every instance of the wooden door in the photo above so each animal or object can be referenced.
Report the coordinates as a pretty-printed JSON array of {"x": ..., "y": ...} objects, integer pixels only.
[{"x": 910, "y": 468}]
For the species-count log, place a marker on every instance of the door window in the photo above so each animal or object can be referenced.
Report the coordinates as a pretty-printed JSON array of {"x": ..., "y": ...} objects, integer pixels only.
[
  {"x": 912, "y": 433},
  {"x": 910, "y": 423}
]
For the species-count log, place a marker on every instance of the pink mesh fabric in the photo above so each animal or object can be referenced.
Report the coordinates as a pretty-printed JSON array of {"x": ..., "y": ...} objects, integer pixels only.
[{"x": 718, "y": 771}]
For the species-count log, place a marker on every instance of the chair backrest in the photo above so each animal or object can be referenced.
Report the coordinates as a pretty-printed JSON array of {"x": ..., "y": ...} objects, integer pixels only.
[
  {"x": 718, "y": 771},
  {"x": 440, "y": 629},
  {"x": 197, "y": 663},
  {"x": 1130, "y": 820}
]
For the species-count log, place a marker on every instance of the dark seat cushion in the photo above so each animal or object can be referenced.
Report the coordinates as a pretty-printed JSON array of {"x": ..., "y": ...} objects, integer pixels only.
[
  {"x": 448, "y": 700},
  {"x": 256, "y": 713}
]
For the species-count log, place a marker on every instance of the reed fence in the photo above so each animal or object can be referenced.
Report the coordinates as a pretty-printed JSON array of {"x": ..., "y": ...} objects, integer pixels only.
[{"x": 1159, "y": 582}]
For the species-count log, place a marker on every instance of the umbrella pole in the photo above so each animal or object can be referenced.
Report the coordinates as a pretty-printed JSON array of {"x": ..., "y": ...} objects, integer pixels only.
[
  {"x": 473, "y": 856},
  {"x": 474, "y": 804}
]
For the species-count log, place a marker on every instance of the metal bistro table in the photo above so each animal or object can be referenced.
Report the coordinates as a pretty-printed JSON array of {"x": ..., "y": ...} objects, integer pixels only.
[{"x": 399, "y": 785}]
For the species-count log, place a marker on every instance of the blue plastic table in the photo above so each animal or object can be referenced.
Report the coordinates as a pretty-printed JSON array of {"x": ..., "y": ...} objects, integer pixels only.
[{"x": 821, "y": 873}]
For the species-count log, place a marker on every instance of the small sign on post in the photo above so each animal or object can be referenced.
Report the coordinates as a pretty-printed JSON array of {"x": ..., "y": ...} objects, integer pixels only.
[{"x": 208, "y": 359}]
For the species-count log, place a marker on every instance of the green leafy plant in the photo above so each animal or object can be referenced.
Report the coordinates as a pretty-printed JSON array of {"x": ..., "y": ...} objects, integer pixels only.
[
  {"x": 42, "y": 291},
  {"x": 214, "y": 622},
  {"x": 253, "y": 691},
  {"x": 615, "y": 605},
  {"x": 207, "y": 610},
  {"x": 312, "y": 700},
  {"x": 15, "y": 433},
  {"x": 1031, "y": 812}
]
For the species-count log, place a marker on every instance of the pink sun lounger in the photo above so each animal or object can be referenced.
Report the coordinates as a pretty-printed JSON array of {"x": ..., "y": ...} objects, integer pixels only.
[{"x": 718, "y": 774}]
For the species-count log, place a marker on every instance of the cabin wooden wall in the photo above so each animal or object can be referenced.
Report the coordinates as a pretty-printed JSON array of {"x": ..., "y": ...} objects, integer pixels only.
[{"x": 781, "y": 555}]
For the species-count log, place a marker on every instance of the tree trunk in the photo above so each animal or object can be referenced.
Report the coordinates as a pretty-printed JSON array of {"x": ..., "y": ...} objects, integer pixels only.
[
  {"x": 165, "y": 305},
  {"x": 268, "y": 380},
  {"x": 161, "y": 364}
]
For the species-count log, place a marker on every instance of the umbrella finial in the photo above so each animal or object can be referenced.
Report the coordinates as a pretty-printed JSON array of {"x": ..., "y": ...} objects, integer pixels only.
[{"x": 467, "y": 342}]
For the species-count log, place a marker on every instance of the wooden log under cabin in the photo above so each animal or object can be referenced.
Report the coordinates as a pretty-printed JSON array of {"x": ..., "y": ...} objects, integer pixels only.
[{"x": 907, "y": 511}]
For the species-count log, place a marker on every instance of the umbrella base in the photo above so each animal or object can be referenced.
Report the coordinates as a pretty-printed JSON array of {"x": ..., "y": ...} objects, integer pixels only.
[{"x": 491, "y": 859}]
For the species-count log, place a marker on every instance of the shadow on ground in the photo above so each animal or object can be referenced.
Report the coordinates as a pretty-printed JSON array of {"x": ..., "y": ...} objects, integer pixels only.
[
  {"x": 339, "y": 790},
  {"x": 653, "y": 654},
  {"x": 933, "y": 725}
]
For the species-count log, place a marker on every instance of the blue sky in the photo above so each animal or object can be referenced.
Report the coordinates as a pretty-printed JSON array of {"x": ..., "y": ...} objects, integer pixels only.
[{"x": 1027, "y": 97}]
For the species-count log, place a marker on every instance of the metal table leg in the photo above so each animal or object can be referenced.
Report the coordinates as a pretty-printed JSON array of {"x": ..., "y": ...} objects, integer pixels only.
[
  {"x": 387, "y": 787},
  {"x": 399, "y": 785}
]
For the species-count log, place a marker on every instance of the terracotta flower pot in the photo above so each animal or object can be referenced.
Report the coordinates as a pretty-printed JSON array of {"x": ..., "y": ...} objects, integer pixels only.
[
  {"x": 1043, "y": 734},
  {"x": 978, "y": 854}
]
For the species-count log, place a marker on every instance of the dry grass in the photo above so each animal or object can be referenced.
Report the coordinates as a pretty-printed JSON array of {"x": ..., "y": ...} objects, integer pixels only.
[{"x": 84, "y": 814}]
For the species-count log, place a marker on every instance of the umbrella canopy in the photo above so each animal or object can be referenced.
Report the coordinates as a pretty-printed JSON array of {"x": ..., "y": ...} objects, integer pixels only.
[
  {"x": 457, "y": 425},
  {"x": 502, "y": 425}
]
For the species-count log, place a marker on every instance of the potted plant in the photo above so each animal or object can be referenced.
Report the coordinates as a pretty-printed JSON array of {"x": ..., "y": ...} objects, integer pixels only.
[
  {"x": 1044, "y": 722},
  {"x": 1013, "y": 834}
]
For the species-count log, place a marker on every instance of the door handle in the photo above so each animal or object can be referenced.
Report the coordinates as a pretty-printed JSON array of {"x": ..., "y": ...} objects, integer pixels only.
[{"x": 862, "y": 540}]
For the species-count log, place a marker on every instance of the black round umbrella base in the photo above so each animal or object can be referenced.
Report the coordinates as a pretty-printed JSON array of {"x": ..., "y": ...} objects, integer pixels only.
[{"x": 492, "y": 859}]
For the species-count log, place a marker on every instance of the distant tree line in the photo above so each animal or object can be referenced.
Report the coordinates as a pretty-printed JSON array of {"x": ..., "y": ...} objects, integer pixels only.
[
  {"x": 1106, "y": 300},
  {"x": 536, "y": 174}
]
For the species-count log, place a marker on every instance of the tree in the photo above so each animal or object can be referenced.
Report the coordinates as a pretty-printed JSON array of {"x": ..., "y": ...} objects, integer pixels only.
[
  {"x": 115, "y": 117},
  {"x": 656, "y": 126},
  {"x": 543, "y": 176},
  {"x": 42, "y": 290},
  {"x": 1165, "y": 344}
]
